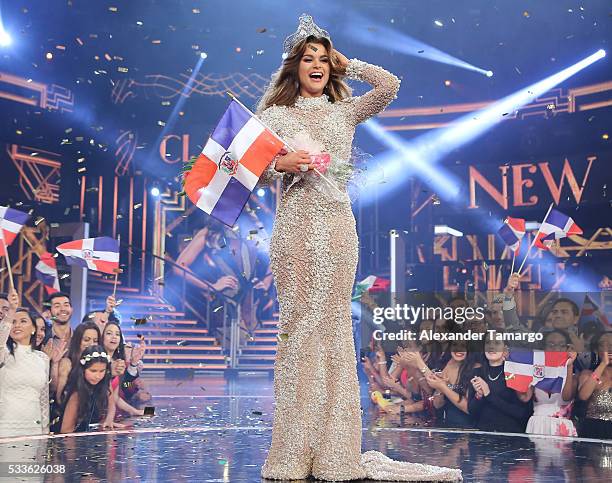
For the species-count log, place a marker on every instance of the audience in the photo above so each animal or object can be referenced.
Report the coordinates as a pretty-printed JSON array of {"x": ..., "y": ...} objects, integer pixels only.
[{"x": 24, "y": 374}]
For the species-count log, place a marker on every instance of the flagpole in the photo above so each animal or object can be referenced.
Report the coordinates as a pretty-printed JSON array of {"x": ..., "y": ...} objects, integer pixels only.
[
  {"x": 513, "y": 259},
  {"x": 291, "y": 148},
  {"x": 535, "y": 238},
  {"x": 8, "y": 263},
  {"x": 117, "y": 272}
]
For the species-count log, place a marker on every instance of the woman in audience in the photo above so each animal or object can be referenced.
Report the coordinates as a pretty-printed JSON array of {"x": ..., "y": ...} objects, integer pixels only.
[
  {"x": 88, "y": 397},
  {"x": 43, "y": 332},
  {"x": 24, "y": 375},
  {"x": 452, "y": 384},
  {"x": 493, "y": 405},
  {"x": 115, "y": 347},
  {"x": 85, "y": 335},
  {"x": 552, "y": 411},
  {"x": 595, "y": 387}
]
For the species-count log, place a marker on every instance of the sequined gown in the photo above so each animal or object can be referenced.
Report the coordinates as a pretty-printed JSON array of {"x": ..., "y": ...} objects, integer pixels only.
[{"x": 313, "y": 255}]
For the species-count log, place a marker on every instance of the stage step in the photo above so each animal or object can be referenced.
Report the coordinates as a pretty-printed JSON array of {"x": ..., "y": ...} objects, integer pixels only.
[
  {"x": 258, "y": 349},
  {"x": 270, "y": 323},
  {"x": 183, "y": 357},
  {"x": 150, "y": 338},
  {"x": 184, "y": 347},
  {"x": 162, "y": 330},
  {"x": 266, "y": 331},
  {"x": 170, "y": 366},
  {"x": 102, "y": 294}
]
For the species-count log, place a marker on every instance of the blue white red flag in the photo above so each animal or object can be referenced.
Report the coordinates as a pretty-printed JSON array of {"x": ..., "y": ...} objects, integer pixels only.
[
  {"x": 226, "y": 172},
  {"x": 556, "y": 225},
  {"x": 544, "y": 370},
  {"x": 512, "y": 232},
  {"x": 101, "y": 254},
  {"x": 11, "y": 223},
  {"x": 46, "y": 271}
]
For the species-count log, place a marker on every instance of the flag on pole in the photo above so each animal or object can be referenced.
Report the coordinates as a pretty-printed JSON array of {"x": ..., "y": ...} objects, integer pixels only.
[
  {"x": 226, "y": 172},
  {"x": 101, "y": 254},
  {"x": 555, "y": 226},
  {"x": 46, "y": 271},
  {"x": 591, "y": 311},
  {"x": 11, "y": 223},
  {"x": 544, "y": 370},
  {"x": 512, "y": 232}
]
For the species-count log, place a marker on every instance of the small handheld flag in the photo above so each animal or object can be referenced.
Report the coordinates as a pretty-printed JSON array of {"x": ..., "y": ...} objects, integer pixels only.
[
  {"x": 11, "y": 223},
  {"x": 544, "y": 370},
  {"x": 46, "y": 271},
  {"x": 101, "y": 254},
  {"x": 556, "y": 225},
  {"x": 512, "y": 232},
  {"x": 223, "y": 176}
]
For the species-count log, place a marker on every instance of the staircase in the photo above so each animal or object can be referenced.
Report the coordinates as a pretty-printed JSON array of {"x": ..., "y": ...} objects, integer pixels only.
[
  {"x": 260, "y": 351},
  {"x": 174, "y": 342}
]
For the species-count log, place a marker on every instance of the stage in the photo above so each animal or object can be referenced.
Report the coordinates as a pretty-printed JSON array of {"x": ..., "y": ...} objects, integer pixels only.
[{"x": 208, "y": 429}]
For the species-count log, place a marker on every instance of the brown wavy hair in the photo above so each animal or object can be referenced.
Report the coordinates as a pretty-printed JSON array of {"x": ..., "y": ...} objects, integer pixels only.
[{"x": 284, "y": 87}]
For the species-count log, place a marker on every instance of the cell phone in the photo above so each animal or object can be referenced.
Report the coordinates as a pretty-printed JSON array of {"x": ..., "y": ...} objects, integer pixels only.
[{"x": 149, "y": 411}]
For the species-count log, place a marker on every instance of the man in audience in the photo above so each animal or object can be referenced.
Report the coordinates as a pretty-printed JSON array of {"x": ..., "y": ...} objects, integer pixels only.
[
  {"x": 61, "y": 333},
  {"x": 565, "y": 314}
]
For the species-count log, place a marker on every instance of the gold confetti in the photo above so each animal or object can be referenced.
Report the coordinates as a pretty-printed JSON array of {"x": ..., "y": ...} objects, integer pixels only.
[{"x": 122, "y": 69}]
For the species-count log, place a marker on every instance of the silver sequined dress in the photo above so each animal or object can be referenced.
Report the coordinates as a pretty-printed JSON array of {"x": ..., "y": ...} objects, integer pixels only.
[{"x": 313, "y": 255}]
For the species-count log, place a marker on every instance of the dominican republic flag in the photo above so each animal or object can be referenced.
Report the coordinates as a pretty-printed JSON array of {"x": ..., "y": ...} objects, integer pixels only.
[
  {"x": 590, "y": 311},
  {"x": 556, "y": 225},
  {"x": 544, "y": 370},
  {"x": 46, "y": 271},
  {"x": 11, "y": 223},
  {"x": 101, "y": 254},
  {"x": 227, "y": 170},
  {"x": 512, "y": 232}
]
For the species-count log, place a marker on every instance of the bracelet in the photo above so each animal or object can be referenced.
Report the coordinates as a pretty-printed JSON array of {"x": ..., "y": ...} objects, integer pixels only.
[
  {"x": 423, "y": 370},
  {"x": 596, "y": 378},
  {"x": 381, "y": 363}
]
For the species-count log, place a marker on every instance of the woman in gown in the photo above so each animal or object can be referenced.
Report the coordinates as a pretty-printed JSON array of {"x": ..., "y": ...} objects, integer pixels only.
[{"x": 313, "y": 255}]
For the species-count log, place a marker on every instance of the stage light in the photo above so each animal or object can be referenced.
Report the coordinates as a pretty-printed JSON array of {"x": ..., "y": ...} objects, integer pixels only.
[
  {"x": 155, "y": 192},
  {"x": 362, "y": 30},
  {"x": 605, "y": 136},
  {"x": 49, "y": 55},
  {"x": 203, "y": 55},
  {"x": 447, "y": 83},
  {"x": 489, "y": 73},
  {"x": 5, "y": 38},
  {"x": 261, "y": 192}
]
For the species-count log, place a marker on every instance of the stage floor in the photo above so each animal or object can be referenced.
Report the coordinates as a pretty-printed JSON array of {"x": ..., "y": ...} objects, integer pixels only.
[{"x": 208, "y": 429}]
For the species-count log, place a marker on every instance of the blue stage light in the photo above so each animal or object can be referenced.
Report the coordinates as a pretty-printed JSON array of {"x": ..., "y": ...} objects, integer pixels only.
[
  {"x": 155, "y": 192},
  {"x": 5, "y": 38},
  {"x": 261, "y": 192}
]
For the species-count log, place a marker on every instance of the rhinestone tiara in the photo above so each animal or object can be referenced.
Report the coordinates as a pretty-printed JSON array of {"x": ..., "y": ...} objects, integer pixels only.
[{"x": 305, "y": 28}]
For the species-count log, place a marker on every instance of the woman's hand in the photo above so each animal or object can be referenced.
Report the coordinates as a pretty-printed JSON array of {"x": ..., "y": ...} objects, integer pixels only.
[
  {"x": 481, "y": 386},
  {"x": 291, "y": 162},
  {"x": 434, "y": 381},
  {"x": 341, "y": 60},
  {"x": 138, "y": 353},
  {"x": 110, "y": 425},
  {"x": 58, "y": 350},
  {"x": 411, "y": 359},
  {"x": 117, "y": 367}
]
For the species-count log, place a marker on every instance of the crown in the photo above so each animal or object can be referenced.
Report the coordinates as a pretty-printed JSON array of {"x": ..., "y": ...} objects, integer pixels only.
[
  {"x": 94, "y": 355},
  {"x": 305, "y": 28}
]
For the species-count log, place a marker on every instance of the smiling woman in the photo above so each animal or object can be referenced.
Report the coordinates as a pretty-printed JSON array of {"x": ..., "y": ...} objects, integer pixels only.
[{"x": 24, "y": 376}]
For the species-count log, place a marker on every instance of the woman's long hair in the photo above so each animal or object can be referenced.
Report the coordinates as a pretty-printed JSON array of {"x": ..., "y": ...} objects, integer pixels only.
[
  {"x": 284, "y": 87},
  {"x": 11, "y": 344},
  {"x": 74, "y": 352},
  {"x": 92, "y": 399},
  {"x": 120, "y": 351}
]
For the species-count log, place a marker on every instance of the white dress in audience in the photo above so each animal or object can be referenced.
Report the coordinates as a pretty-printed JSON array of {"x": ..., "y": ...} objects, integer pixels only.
[
  {"x": 551, "y": 415},
  {"x": 24, "y": 389}
]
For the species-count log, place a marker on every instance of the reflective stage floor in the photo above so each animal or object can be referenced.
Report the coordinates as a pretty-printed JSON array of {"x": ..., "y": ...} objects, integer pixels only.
[{"x": 208, "y": 429}]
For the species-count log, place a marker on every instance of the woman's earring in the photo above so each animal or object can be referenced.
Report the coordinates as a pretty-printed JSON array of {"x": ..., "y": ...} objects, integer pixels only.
[{"x": 33, "y": 333}]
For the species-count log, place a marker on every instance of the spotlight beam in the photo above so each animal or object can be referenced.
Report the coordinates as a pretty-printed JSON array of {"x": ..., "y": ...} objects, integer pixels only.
[{"x": 420, "y": 155}]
